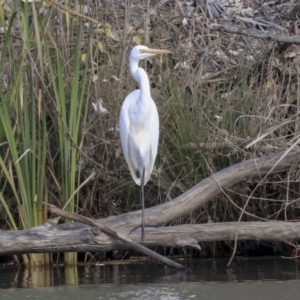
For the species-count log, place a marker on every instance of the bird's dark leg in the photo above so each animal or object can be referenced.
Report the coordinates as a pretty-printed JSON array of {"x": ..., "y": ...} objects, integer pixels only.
[
  {"x": 142, "y": 198},
  {"x": 143, "y": 204}
]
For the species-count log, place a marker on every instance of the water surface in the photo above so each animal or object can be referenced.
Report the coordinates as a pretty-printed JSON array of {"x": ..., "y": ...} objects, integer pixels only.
[{"x": 263, "y": 278}]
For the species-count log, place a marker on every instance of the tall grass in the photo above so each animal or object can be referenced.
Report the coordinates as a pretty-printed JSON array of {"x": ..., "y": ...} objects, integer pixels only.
[{"x": 43, "y": 111}]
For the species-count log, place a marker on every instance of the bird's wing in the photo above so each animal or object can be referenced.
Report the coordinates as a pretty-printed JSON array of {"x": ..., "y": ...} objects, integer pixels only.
[
  {"x": 124, "y": 123},
  {"x": 124, "y": 120},
  {"x": 154, "y": 134},
  {"x": 124, "y": 129},
  {"x": 154, "y": 130}
]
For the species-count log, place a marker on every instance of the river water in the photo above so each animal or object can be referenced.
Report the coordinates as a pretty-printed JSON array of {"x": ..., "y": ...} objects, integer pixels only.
[{"x": 248, "y": 278}]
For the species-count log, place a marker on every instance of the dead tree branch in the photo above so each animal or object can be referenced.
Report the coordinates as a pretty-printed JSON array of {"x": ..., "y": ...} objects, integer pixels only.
[
  {"x": 256, "y": 34},
  {"x": 207, "y": 189}
]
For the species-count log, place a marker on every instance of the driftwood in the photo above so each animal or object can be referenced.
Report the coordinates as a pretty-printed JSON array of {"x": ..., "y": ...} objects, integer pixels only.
[
  {"x": 50, "y": 240},
  {"x": 81, "y": 238},
  {"x": 254, "y": 33}
]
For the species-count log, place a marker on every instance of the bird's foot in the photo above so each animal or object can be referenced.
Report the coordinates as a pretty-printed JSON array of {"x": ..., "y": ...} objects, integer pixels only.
[{"x": 143, "y": 229}]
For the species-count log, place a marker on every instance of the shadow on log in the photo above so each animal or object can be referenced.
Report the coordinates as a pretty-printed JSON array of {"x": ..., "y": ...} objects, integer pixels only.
[{"x": 82, "y": 238}]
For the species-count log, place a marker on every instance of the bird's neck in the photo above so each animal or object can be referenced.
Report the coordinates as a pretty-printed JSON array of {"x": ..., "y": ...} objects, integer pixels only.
[{"x": 140, "y": 75}]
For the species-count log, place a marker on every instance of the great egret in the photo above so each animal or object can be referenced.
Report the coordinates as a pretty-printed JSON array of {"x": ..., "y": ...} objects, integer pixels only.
[{"x": 139, "y": 124}]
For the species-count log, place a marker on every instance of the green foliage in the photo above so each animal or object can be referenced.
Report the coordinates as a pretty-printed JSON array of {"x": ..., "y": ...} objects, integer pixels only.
[
  {"x": 182, "y": 126},
  {"x": 23, "y": 138},
  {"x": 31, "y": 131}
]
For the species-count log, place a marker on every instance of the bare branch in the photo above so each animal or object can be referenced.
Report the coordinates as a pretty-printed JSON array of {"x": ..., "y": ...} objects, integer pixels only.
[
  {"x": 256, "y": 34},
  {"x": 207, "y": 189}
]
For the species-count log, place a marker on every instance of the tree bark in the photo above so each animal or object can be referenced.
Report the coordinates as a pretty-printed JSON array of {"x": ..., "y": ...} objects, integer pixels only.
[
  {"x": 79, "y": 237},
  {"x": 44, "y": 240}
]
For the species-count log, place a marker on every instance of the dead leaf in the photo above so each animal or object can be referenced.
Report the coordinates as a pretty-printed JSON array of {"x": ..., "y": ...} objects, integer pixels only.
[
  {"x": 118, "y": 152},
  {"x": 99, "y": 30},
  {"x": 218, "y": 118},
  {"x": 136, "y": 39},
  {"x": 100, "y": 46},
  {"x": 83, "y": 57},
  {"x": 269, "y": 84},
  {"x": 94, "y": 78},
  {"x": 115, "y": 78}
]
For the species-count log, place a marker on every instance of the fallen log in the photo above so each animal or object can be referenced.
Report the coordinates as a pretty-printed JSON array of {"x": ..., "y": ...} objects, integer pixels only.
[{"x": 43, "y": 239}]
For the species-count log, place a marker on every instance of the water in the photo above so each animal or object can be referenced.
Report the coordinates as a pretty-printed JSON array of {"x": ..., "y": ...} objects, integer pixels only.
[{"x": 263, "y": 278}]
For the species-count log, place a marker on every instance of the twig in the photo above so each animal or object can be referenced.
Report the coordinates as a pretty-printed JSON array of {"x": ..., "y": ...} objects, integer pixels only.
[
  {"x": 272, "y": 129},
  {"x": 72, "y": 12},
  {"x": 253, "y": 191},
  {"x": 256, "y": 34},
  {"x": 138, "y": 247}
]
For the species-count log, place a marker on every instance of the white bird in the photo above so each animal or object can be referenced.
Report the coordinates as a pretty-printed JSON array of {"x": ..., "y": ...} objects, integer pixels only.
[{"x": 139, "y": 124}]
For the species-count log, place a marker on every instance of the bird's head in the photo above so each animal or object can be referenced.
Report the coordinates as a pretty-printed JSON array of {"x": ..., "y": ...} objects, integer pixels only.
[{"x": 141, "y": 52}]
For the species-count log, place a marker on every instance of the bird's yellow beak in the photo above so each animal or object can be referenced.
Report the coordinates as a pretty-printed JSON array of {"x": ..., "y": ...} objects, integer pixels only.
[{"x": 155, "y": 51}]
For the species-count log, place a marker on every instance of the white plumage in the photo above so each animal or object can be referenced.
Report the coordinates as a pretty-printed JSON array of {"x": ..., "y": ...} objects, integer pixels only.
[{"x": 139, "y": 123}]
